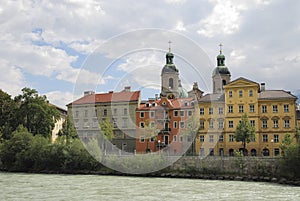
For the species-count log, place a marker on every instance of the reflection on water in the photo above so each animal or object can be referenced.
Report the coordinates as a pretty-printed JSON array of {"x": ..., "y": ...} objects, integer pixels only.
[{"x": 94, "y": 187}]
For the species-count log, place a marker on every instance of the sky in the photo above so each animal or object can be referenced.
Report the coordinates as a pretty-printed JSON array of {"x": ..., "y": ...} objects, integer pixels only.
[{"x": 64, "y": 47}]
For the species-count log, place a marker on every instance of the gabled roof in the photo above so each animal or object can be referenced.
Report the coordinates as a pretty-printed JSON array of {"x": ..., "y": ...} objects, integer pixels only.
[
  {"x": 123, "y": 96},
  {"x": 213, "y": 98},
  {"x": 242, "y": 79},
  {"x": 275, "y": 94}
]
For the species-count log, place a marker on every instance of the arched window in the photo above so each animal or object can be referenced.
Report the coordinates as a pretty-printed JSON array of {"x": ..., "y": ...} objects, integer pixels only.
[
  {"x": 171, "y": 84},
  {"x": 253, "y": 152},
  {"x": 266, "y": 152},
  {"x": 224, "y": 82}
]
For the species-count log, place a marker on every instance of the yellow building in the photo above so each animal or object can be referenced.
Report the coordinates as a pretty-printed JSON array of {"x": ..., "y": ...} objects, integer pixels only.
[{"x": 271, "y": 112}]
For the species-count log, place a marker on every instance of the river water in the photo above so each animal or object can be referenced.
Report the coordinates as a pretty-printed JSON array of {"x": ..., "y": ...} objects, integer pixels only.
[{"x": 19, "y": 186}]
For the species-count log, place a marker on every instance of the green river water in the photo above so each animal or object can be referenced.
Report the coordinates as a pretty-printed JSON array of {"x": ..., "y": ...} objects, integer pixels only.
[{"x": 21, "y": 186}]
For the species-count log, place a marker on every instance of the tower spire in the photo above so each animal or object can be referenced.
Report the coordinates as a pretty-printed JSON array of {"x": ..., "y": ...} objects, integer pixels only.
[
  {"x": 170, "y": 45},
  {"x": 221, "y": 48}
]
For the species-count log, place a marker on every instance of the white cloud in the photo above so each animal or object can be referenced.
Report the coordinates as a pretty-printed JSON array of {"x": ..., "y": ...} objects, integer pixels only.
[
  {"x": 180, "y": 26},
  {"x": 60, "y": 98}
]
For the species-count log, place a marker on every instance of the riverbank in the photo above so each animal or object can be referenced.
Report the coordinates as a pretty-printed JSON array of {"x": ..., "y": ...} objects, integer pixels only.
[{"x": 256, "y": 169}]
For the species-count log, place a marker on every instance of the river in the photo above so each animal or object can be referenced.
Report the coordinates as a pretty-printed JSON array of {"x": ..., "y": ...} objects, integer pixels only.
[{"x": 21, "y": 186}]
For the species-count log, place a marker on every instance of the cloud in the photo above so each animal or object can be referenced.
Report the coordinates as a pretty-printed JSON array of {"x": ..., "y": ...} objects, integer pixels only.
[{"x": 60, "y": 98}]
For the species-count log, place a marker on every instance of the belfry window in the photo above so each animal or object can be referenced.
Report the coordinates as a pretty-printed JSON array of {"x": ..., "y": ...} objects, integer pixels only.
[{"x": 171, "y": 84}]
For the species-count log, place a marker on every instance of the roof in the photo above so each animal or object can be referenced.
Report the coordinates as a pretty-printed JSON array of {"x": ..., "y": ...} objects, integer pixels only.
[
  {"x": 221, "y": 70},
  {"x": 213, "y": 98},
  {"x": 244, "y": 79},
  {"x": 179, "y": 103},
  {"x": 123, "y": 96},
  {"x": 275, "y": 94}
]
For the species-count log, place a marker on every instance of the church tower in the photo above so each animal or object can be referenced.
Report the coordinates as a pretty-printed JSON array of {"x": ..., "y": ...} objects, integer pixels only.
[
  {"x": 170, "y": 77},
  {"x": 221, "y": 75}
]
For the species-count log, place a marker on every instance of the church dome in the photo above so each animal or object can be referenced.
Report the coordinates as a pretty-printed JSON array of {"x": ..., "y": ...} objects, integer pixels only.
[
  {"x": 169, "y": 68},
  {"x": 221, "y": 70}
]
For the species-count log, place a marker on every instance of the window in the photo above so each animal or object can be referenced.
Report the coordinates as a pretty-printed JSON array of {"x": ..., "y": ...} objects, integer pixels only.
[
  {"x": 265, "y": 138},
  {"x": 221, "y": 124},
  {"x": 201, "y": 124},
  {"x": 265, "y": 123},
  {"x": 286, "y": 123},
  {"x": 211, "y": 123},
  {"x": 125, "y": 111},
  {"x": 275, "y": 108},
  {"x": 182, "y": 113},
  {"x": 276, "y": 152},
  {"x": 142, "y": 124},
  {"x": 181, "y": 138},
  {"x": 105, "y": 112},
  {"x": 275, "y": 123},
  {"x": 250, "y": 93},
  {"x": 240, "y": 93},
  {"x": 115, "y": 111},
  {"x": 251, "y": 108},
  {"x": 86, "y": 112},
  {"x": 230, "y": 94},
  {"x": 181, "y": 124},
  {"x": 142, "y": 139},
  {"x": 201, "y": 111},
  {"x": 76, "y": 114},
  {"x": 201, "y": 138},
  {"x": 231, "y": 138},
  {"x": 276, "y": 138},
  {"x": 115, "y": 123},
  {"x": 171, "y": 83},
  {"x": 252, "y": 122},
  {"x": 152, "y": 114},
  {"x": 175, "y": 138},
  {"x": 230, "y": 124},
  {"x": 211, "y": 152},
  {"x": 175, "y": 124},
  {"x": 76, "y": 123},
  {"x": 142, "y": 114},
  {"x": 186, "y": 104},
  {"x": 286, "y": 108},
  {"x": 221, "y": 110},
  {"x": 152, "y": 139},
  {"x": 175, "y": 113},
  {"x": 152, "y": 124},
  {"x": 210, "y": 110},
  {"x": 264, "y": 109},
  {"x": 211, "y": 138},
  {"x": 190, "y": 113},
  {"x": 241, "y": 108},
  {"x": 221, "y": 138},
  {"x": 252, "y": 138},
  {"x": 125, "y": 123},
  {"x": 230, "y": 109},
  {"x": 86, "y": 123}
]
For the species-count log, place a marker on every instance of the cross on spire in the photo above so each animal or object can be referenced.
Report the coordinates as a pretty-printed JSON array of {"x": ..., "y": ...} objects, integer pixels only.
[
  {"x": 170, "y": 45},
  {"x": 221, "y": 48}
]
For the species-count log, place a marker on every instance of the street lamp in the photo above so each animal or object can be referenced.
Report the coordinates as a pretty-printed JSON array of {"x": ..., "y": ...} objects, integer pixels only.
[
  {"x": 158, "y": 146},
  {"x": 272, "y": 140}
]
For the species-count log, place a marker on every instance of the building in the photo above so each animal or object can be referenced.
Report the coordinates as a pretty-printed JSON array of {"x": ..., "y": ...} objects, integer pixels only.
[
  {"x": 162, "y": 124},
  {"x": 118, "y": 107},
  {"x": 271, "y": 112},
  {"x": 59, "y": 122}
]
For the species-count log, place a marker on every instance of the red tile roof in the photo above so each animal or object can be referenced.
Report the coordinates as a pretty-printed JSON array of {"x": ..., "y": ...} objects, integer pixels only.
[
  {"x": 123, "y": 96},
  {"x": 174, "y": 103}
]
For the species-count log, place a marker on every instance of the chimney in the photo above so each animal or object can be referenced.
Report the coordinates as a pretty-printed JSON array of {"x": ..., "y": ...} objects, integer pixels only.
[
  {"x": 127, "y": 88},
  {"x": 262, "y": 86},
  {"x": 86, "y": 93},
  {"x": 111, "y": 92}
]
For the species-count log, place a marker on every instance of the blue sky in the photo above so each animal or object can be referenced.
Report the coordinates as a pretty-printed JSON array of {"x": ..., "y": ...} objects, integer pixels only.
[{"x": 46, "y": 45}]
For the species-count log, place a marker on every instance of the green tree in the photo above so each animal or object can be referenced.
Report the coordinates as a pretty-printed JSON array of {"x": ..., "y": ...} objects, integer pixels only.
[
  {"x": 7, "y": 115},
  {"x": 13, "y": 152},
  {"x": 286, "y": 142},
  {"x": 244, "y": 132},
  {"x": 297, "y": 134},
  {"x": 35, "y": 113},
  {"x": 68, "y": 130},
  {"x": 106, "y": 133}
]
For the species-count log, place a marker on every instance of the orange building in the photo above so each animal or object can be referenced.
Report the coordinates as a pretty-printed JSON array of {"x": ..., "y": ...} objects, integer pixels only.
[{"x": 162, "y": 125}]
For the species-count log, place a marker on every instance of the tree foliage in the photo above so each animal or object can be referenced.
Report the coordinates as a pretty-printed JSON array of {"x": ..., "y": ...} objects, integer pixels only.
[
  {"x": 68, "y": 130},
  {"x": 35, "y": 113},
  {"x": 244, "y": 132}
]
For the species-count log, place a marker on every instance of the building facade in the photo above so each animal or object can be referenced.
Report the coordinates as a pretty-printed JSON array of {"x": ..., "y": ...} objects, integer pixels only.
[
  {"x": 271, "y": 112},
  {"x": 118, "y": 107}
]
